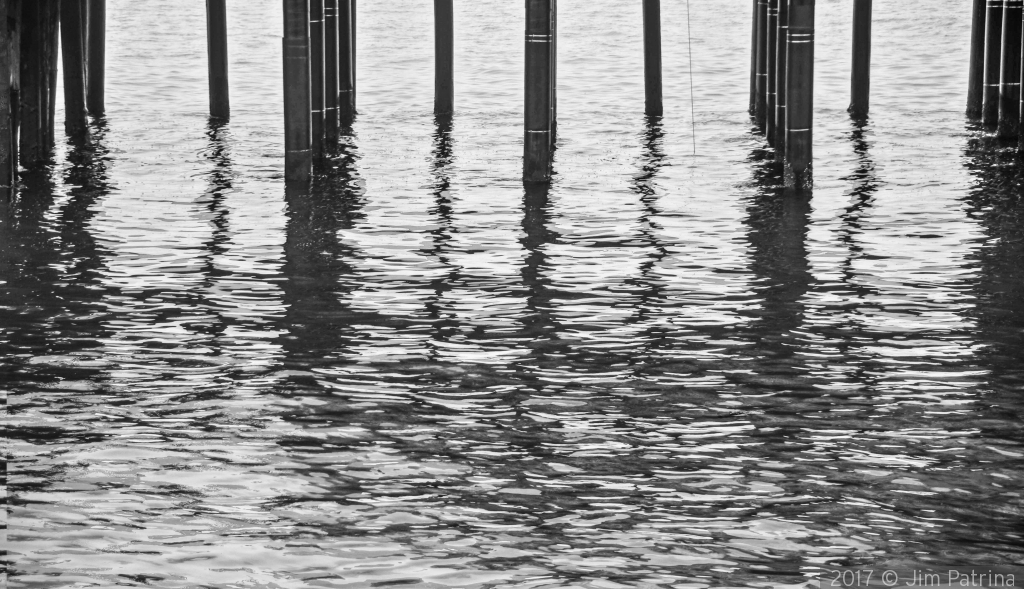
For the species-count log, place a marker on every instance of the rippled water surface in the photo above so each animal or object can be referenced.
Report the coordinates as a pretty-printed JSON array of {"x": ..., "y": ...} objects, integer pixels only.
[{"x": 664, "y": 371}]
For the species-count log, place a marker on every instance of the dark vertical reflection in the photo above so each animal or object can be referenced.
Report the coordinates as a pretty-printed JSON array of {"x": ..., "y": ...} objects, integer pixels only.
[
  {"x": 651, "y": 288},
  {"x": 777, "y": 220},
  {"x": 996, "y": 203},
  {"x": 445, "y": 326},
  {"x": 539, "y": 324},
  {"x": 318, "y": 267},
  {"x": 51, "y": 295}
]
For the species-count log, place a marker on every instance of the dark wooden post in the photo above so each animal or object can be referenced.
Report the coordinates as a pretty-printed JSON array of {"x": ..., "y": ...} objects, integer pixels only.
[
  {"x": 298, "y": 156},
  {"x": 52, "y": 44},
  {"x": 217, "y": 50},
  {"x": 753, "y": 58},
  {"x": 317, "y": 70},
  {"x": 976, "y": 80},
  {"x": 554, "y": 73},
  {"x": 800, "y": 93},
  {"x": 537, "y": 141},
  {"x": 860, "y": 81},
  {"x": 781, "y": 81},
  {"x": 654, "y": 106},
  {"x": 772, "y": 49},
  {"x": 346, "y": 61},
  {"x": 32, "y": 149},
  {"x": 97, "y": 56},
  {"x": 331, "y": 90},
  {"x": 1009, "y": 71},
  {"x": 444, "y": 57},
  {"x": 72, "y": 31},
  {"x": 761, "y": 48},
  {"x": 993, "y": 45},
  {"x": 7, "y": 129}
]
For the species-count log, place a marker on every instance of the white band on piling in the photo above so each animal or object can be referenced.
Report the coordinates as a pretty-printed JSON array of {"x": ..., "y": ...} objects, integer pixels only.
[{"x": 799, "y": 130}]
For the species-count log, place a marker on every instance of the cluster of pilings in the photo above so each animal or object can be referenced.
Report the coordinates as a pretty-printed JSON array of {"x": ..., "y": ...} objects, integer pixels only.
[
  {"x": 994, "y": 93},
  {"x": 319, "y": 80},
  {"x": 782, "y": 75},
  {"x": 28, "y": 76}
]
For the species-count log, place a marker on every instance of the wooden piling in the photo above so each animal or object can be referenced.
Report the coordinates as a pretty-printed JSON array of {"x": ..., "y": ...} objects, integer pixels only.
[
  {"x": 298, "y": 154},
  {"x": 72, "y": 33},
  {"x": 444, "y": 57},
  {"x": 976, "y": 79},
  {"x": 7, "y": 129},
  {"x": 537, "y": 140},
  {"x": 800, "y": 90},
  {"x": 781, "y": 81},
  {"x": 217, "y": 50},
  {"x": 772, "y": 49},
  {"x": 316, "y": 72},
  {"x": 32, "y": 147},
  {"x": 52, "y": 49},
  {"x": 761, "y": 47},
  {"x": 753, "y": 58},
  {"x": 97, "y": 40},
  {"x": 654, "y": 106},
  {"x": 860, "y": 80},
  {"x": 554, "y": 73},
  {"x": 993, "y": 46},
  {"x": 331, "y": 89},
  {"x": 346, "y": 62},
  {"x": 1009, "y": 71}
]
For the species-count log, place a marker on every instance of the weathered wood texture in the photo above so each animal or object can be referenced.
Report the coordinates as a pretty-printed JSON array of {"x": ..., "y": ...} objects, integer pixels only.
[
  {"x": 316, "y": 72},
  {"x": 976, "y": 78},
  {"x": 772, "y": 53},
  {"x": 331, "y": 88},
  {"x": 298, "y": 155},
  {"x": 35, "y": 133},
  {"x": 781, "y": 81},
  {"x": 653, "y": 91},
  {"x": 800, "y": 92},
  {"x": 8, "y": 131},
  {"x": 537, "y": 141},
  {"x": 217, "y": 50},
  {"x": 1009, "y": 71},
  {"x": 993, "y": 48},
  {"x": 346, "y": 61},
  {"x": 72, "y": 32},
  {"x": 860, "y": 80},
  {"x": 444, "y": 57},
  {"x": 97, "y": 58},
  {"x": 753, "y": 58},
  {"x": 761, "y": 90}
]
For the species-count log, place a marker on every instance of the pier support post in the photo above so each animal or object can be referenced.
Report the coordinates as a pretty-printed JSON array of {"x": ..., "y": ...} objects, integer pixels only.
[
  {"x": 444, "y": 57},
  {"x": 331, "y": 126},
  {"x": 298, "y": 155},
  {"x": 976, "y": 79},
  {"x": 52, "y": 47},
  {"x": 97, "y": 41},
  {"x": 993, "y": 46},
  {"x": 72, "y": 33},
  {"x": 753, "y": 58},
  {"x": 8, "y": 99},
  {"x": 217, "y": 51},
  {"x": 537, "y": 141},
  {"x": 316, "y": 76},
  {"x": 654, "y": 106},
  {"x": 554, "y": 73},
  {"x": 860, "y": 81},
  {"x": 346, "y": 61},
  {"x": 34, "y": 139},
  {"x": 800, "y": 91},
  {"x": 1009, "y": 71},
  {"x": 781, "y": 81},
  {"x": 761, "y": 48},
  {"x": 772, "y": 48}
]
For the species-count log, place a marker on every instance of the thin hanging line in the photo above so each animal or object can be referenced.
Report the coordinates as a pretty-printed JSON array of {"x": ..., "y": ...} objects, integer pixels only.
[{"x": 689, "y": 51}]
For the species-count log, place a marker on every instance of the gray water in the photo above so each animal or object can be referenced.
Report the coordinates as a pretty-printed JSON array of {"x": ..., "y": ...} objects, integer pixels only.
[{"x": 664, "y": 371}]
